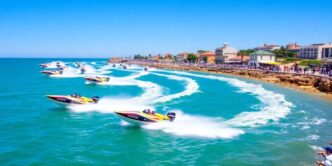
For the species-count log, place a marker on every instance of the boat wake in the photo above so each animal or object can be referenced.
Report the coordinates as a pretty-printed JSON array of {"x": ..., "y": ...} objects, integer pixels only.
[
  {"x": 109, "y": 105},
  {"x": 190, "y": 88},
  {"x": 273, "y": 106},
  {"x": 196, "y": 126}
]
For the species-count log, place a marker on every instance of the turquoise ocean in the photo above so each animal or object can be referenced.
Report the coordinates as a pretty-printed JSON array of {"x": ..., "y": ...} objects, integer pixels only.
[{"x": 221, "y": 120}]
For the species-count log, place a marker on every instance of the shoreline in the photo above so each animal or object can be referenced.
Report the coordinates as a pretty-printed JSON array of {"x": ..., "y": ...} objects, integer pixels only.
[{"x": 310, "y": 84}]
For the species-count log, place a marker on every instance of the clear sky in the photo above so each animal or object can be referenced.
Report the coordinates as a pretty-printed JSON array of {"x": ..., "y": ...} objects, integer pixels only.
[{"x": 96, "y": 28}]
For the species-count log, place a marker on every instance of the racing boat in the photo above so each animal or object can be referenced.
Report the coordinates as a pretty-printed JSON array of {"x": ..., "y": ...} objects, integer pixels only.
[
  {"x": 60, "y": 65},
  {"x": 44, "y": 65},
  {"x": 73, "y": 99},
  {"x": 52, "y": 72},
  {"x": 97, "y": 79},
  {"x": 145, "y": 117}
]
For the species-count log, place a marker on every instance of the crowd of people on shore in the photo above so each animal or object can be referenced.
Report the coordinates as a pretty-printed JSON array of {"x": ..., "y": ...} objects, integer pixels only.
[
  {"x": 296, "y": 68},
  {"x": 324, "y": 71}
]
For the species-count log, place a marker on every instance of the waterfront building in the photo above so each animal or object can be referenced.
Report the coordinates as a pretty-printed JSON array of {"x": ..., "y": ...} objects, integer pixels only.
[
  {"x": 268, "y": 47},
  {"x": 208, "y": 57},
  {"x": 327, "y": 55},
  {"x": 225, "y": 54},
  {"x": 314, "y": 51},
  {"x": 239, "y": 60},
  {"x": 167, "y": 58},
  {"x": 155, "y": 58},
  {"x": 182, "y": 57},
  {"x": 261, "y": 57},
  {"x": 293, "y": 47},
  {"x": 116, "y": 60}
]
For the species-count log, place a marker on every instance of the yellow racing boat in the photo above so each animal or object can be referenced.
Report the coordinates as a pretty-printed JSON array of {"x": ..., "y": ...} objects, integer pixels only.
[
  {"x": 73, "y": 99},
  {"x": 97, "y": 79},
  {"x": 144, "y": 117}
]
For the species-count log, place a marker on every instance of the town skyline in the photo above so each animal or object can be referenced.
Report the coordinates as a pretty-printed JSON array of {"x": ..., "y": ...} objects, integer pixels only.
[{"x": 102, "y": 29}]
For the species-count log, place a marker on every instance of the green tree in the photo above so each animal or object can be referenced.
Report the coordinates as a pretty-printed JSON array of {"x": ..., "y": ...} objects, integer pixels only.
[
  {"x": 283, "y": 52},
  {"x": 205, "y": 59},
  {"x": 192, "y": 57},
  {"x": 243, "y": 53}
]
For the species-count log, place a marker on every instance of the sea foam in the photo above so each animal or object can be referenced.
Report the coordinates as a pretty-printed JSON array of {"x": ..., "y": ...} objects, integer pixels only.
[
  {"x": 195, "y": 126},
  {"x": 273, "y": 105}
]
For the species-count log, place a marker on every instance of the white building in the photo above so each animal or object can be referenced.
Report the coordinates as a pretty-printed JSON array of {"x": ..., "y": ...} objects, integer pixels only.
[
  {"x": 315, "y": 51},
  {"x": 225, "y": 54},
  {"x": 268, "y": 47},
  {"x": 181, "y": 57},
  {"x": 261, "y": 57},
  {"x": 327, "y": 56}
]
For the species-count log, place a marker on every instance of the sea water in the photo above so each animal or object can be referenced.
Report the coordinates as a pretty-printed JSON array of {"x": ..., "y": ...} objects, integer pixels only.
[{"x": 221, "y": 120}]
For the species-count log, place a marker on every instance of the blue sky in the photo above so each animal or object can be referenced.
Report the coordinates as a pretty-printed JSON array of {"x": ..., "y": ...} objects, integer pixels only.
[{"x": 96, "y": 28}]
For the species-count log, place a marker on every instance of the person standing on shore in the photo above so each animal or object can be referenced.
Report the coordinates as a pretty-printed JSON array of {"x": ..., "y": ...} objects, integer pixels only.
[{"x": 327, "y": 154}]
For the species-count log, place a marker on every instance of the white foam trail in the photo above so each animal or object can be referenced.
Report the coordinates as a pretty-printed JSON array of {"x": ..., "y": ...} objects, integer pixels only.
[
  {"x": 71, "y": 72},
  {"x": 150, "y": 90},
  {"x": 105, "y": 68},
  {"x": 191, "y": 87},
  {"x": 313, "y": 137},
  {"x": 133, "y": 66},
  {"x": 134, "y": 76},
  {"x": 274, "y": 106},
  {"x": 316, "y": 148},
  {"x": 53, "y": 65},
  {"x": 109, "y": 105},
  {"x": 307, "y": 123},
  {"x": 195, "y": 126}
]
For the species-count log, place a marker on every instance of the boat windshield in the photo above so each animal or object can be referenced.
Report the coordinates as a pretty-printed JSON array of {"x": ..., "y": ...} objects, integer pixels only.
[
  {"x": 148, "y": 111},
  {"x": 75, "y": 95}
]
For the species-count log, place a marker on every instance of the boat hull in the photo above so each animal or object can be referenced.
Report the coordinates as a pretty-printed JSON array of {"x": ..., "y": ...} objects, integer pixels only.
[
  {"x": 135, "y": 118},
  {"x": 94, "y": 80},
  {"x": 47, "y": 72},
  {"x": 62, "y": 100}
]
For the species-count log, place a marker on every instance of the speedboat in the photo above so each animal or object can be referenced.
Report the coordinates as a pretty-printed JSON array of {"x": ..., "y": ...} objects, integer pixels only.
[
  {"x": 73, "y": 99},
  {"x": 97, "y": 79},
  {"x": 60, "y": 65},
  {"x": 145, "y": 117},
  {"x": 52, "y": 72},
  {"x": 44, "y": 65}
]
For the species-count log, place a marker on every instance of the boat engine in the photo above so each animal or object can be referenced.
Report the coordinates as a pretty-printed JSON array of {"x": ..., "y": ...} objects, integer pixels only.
[
  {"x": 95, "y": 99},
  {"x": 171, "y": 116}
]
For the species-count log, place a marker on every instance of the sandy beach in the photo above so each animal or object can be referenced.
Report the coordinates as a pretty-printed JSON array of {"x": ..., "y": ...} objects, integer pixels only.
[{"x": 311, "y": 84}]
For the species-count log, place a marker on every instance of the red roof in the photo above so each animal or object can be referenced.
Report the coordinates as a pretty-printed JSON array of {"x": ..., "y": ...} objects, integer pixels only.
[
  {"x": 238, "y": 58},
  {"x": 209, "y": 53}
]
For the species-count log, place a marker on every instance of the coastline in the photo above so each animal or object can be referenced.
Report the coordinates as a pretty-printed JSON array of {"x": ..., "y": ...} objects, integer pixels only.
[{"x": 314, "y": 85}]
